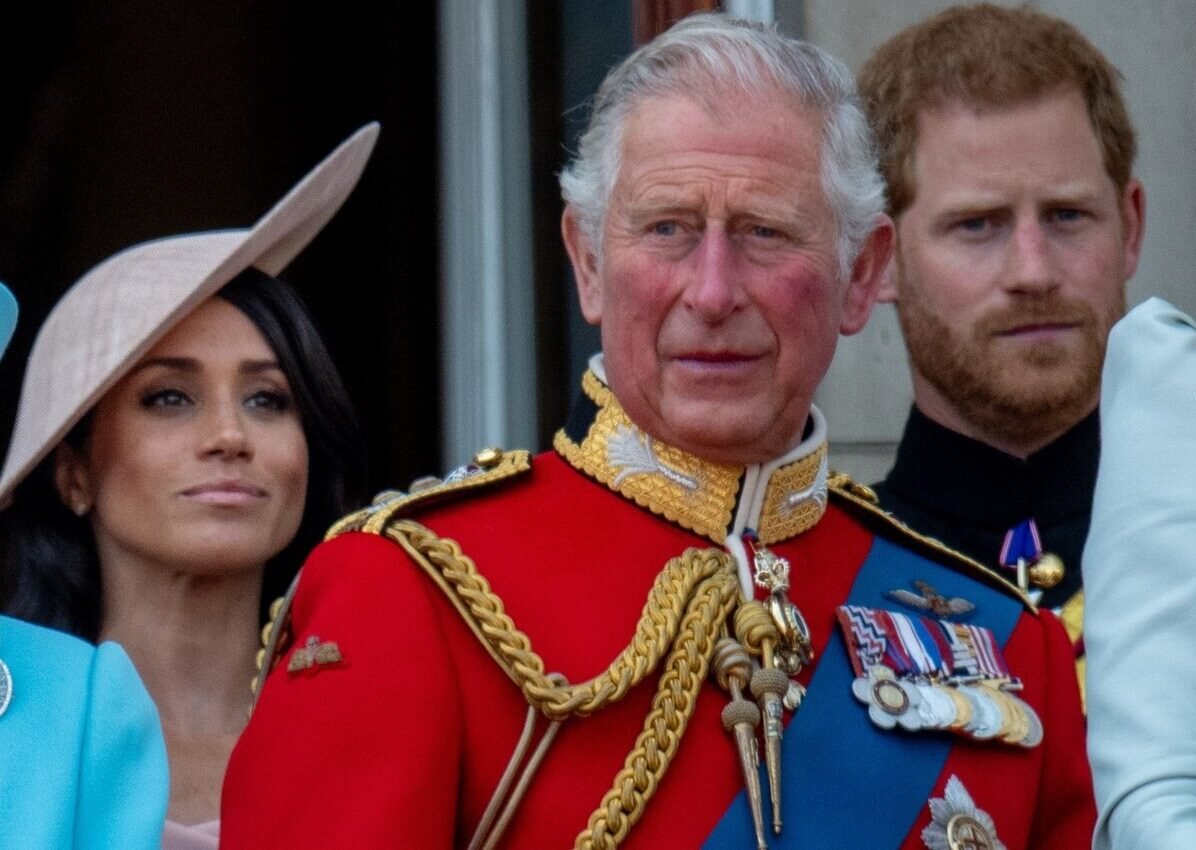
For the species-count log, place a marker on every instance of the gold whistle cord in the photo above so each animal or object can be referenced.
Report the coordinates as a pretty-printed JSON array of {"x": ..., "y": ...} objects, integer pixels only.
[{"x": 686, "y": 612}]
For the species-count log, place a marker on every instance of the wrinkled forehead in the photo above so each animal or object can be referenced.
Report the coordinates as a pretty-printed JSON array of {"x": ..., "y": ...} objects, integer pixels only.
[
  {"x": 767, "y": 125},
  {"x": 721, "y": 97}
]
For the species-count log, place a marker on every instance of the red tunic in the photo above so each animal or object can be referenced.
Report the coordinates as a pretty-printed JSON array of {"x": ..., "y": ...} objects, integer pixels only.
[{"x": 403, "y": 742}]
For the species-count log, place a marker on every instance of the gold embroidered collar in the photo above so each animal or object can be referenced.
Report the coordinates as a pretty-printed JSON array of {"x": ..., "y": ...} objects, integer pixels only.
[{"x": 779, "y": 499}]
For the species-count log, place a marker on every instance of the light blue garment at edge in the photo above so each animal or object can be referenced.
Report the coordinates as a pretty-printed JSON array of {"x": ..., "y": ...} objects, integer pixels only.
[
  {"x": 8, "y": 317},
  {"x": 1140, "y": 583},
  {"x": 82, "y": 760}
]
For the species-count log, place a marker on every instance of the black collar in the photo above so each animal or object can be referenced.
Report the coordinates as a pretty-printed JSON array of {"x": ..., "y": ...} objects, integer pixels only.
[{"x": 954, "y": 476}]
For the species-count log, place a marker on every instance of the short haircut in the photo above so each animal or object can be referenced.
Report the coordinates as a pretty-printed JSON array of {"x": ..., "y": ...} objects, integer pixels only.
[
  {"x": 988, "y": 58},
  {"x": 705, "y": 56}
]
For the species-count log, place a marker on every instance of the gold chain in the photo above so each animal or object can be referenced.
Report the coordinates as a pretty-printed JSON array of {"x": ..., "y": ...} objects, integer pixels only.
[{"x": 686, "y": 611}]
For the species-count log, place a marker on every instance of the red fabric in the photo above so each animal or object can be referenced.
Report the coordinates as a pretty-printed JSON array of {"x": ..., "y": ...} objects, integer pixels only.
[{"x": 403, "y": 744}]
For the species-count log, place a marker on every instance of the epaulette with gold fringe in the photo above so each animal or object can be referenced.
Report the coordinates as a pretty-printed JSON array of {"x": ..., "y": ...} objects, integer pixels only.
[
  {"x": 864, "y": 504},
  {"x": 489, "y": 466}
]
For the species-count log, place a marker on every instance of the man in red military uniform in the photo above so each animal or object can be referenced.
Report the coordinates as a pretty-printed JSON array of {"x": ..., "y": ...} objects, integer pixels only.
[{"x": 677, "y": 629}]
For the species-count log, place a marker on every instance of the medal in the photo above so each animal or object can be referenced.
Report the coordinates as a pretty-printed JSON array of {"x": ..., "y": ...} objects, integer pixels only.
[
  {"x": 920, "y": 674},
  {"x": 1013, "y": 722},
  {"x": 986, "y": 715},
  {"x": 958, "y": 824},
  {"x": 1034, "y": 734},
  {"x": 963, "y": 710},
  {"x": 891, "y": 702},
  {"x": 1031, "y": 725},
  {"x": 937, "y": 710},
  {"x": 1022, "y": 551},
  {"x": 1021, "y": 547}
]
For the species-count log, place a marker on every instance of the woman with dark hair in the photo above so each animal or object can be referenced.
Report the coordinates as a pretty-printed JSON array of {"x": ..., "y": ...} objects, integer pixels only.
[
  {"x": 183, "y": 439},
  {"x": 54, "y": 577}
]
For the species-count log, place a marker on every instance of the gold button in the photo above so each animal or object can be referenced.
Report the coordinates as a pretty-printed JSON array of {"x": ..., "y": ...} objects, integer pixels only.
[
  {"x": 1047, "y": 572},
  {"x": 865, "y": 492},
  {"x": 488, "y": 458}
]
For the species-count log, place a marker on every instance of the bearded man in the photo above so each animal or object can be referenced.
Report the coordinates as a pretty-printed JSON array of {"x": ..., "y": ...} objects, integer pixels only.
[{"x": 1008, "y": 152}]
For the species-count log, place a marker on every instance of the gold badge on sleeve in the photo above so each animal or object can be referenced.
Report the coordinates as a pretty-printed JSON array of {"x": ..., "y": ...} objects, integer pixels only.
[{"x": 314, "y": 653}]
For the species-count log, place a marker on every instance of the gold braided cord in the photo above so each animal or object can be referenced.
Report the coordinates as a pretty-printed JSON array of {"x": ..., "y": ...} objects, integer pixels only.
[
  {"x": 655, "y": 632},
  {"x": 676, "y": 697},
  {"x": 755, "y": 627},
  {"x": 686, "y": 612}
]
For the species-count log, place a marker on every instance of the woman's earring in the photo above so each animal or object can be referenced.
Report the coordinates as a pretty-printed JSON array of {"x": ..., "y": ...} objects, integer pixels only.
[{"x": 80, "y": 505}]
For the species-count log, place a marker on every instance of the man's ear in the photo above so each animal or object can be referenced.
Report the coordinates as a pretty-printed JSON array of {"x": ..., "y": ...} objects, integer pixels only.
[
  {"x": 72, "y": 481},
  {"x": 585, "y": 265},
  {"x": 867, "y": 274},
  {"x": 1133, "y": 221}
]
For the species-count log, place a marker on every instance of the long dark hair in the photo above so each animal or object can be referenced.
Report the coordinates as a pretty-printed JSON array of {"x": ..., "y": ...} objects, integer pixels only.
[{"x": 49, "y": 570}]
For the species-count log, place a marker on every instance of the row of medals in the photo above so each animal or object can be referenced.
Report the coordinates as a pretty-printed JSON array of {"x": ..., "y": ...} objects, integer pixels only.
[{"x": 983, "y": 710}]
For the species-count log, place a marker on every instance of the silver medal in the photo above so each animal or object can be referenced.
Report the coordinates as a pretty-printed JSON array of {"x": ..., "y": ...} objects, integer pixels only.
[
  {"x": 891, "y": 701},
  {"x": 986, "y": 715},
  {"x": 936, "y": 710},
  {"x": 1033, "y": 737}
]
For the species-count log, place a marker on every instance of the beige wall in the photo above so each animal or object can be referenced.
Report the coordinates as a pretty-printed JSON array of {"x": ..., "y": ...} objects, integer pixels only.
[{"x": 1153, "y": 43}]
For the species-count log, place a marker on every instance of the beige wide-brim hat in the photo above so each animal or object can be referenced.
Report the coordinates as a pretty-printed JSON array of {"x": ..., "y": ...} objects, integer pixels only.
[{"x": 117, "y": 311}]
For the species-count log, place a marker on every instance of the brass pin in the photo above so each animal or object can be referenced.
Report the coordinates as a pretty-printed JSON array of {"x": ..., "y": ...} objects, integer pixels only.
[
  {"x": 769, "y": 686},
  {"x": 732, "y": 668}
]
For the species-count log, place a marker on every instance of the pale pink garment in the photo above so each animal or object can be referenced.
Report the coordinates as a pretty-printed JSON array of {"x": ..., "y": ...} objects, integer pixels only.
[{"x": 202, "y": 836}]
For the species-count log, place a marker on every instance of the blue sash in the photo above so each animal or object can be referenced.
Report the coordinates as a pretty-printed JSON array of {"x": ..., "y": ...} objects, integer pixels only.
[{"x": 847, "y": 783}]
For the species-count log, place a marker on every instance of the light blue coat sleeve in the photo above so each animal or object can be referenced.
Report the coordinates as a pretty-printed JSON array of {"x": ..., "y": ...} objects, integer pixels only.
[
  {"x": 123, "y": 778},
  {"x": 1140, "y": 584},
  {"x": 82, "y": 761}
]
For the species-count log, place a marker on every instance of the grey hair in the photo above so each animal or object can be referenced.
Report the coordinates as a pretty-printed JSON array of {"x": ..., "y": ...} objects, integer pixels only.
[{"x": 755, "y": 59}]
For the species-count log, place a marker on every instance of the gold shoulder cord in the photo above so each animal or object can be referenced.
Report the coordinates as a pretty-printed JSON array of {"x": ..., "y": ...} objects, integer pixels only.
[
  {"x": 685, "y": 613},
  {"x": 684, "y": 616}
]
